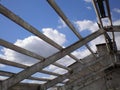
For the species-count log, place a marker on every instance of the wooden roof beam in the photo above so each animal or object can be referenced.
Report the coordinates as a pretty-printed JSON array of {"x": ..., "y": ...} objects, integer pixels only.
[{"x": 7, "y": 62}]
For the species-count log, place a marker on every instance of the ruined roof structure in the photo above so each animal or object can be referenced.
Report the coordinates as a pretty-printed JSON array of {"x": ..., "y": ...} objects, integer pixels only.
[{"x": 79, "y": 54}]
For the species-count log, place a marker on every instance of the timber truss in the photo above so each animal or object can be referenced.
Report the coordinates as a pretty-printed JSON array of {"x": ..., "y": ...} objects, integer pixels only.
[{"x": 82, "y": 71}]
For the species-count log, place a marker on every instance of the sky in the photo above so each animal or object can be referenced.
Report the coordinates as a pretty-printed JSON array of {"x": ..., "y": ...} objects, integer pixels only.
[{"x": 39, "y": 14}]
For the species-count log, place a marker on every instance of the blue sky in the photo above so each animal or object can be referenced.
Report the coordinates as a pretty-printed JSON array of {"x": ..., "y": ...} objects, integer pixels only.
[{"x": 39, "y": 14}]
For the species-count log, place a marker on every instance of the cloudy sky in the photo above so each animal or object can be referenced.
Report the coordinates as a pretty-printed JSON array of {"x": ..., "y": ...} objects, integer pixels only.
[{"x": 39, "y": 14}]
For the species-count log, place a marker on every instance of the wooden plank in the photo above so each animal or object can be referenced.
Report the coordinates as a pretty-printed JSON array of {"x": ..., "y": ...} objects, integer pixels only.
[
  {"x": 20, "y": 50},
  {"x": 7, "y": 62},
  {"x": 9, "y": 74}
]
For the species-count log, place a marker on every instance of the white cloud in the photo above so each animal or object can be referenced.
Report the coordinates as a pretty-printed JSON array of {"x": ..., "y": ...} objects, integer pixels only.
[
  {"x": 89, "y": 8},
  {"x": 106, "y": 22},
  {"x": 35, "y": 45},
  {"x": 92, "y": 26},
  {"x": 87, "y": 25},
  {"x": 66, "y": 61},
  {"x": 98, "y": 40},
  {"x": 3, "y": 78},
  {"x": 88, "y": 1},
  {"x": 117, "y": 22},
  {"x": 117, "y": 10},
  {"x": 52, "y": 88},
  {"x": 55, "y": 35},
  {"x": 60, "y": 71},
  {"x": 1, "y": 65},
  {"x": 33, "y": 81},
  {"x": 117, "y": 34},
  {"x": 81, "y": 53},
  {"x": 61, "y": 24},
  {"x": 55, "y": 69},
  {"x": 117, "y": 39}
]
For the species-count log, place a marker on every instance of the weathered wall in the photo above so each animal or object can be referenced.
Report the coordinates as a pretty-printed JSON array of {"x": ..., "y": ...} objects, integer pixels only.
[
  {"x": 97, "y": 85},
  {"x": 110, "y": 82},
  {"x": 113, "y": 78}
]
